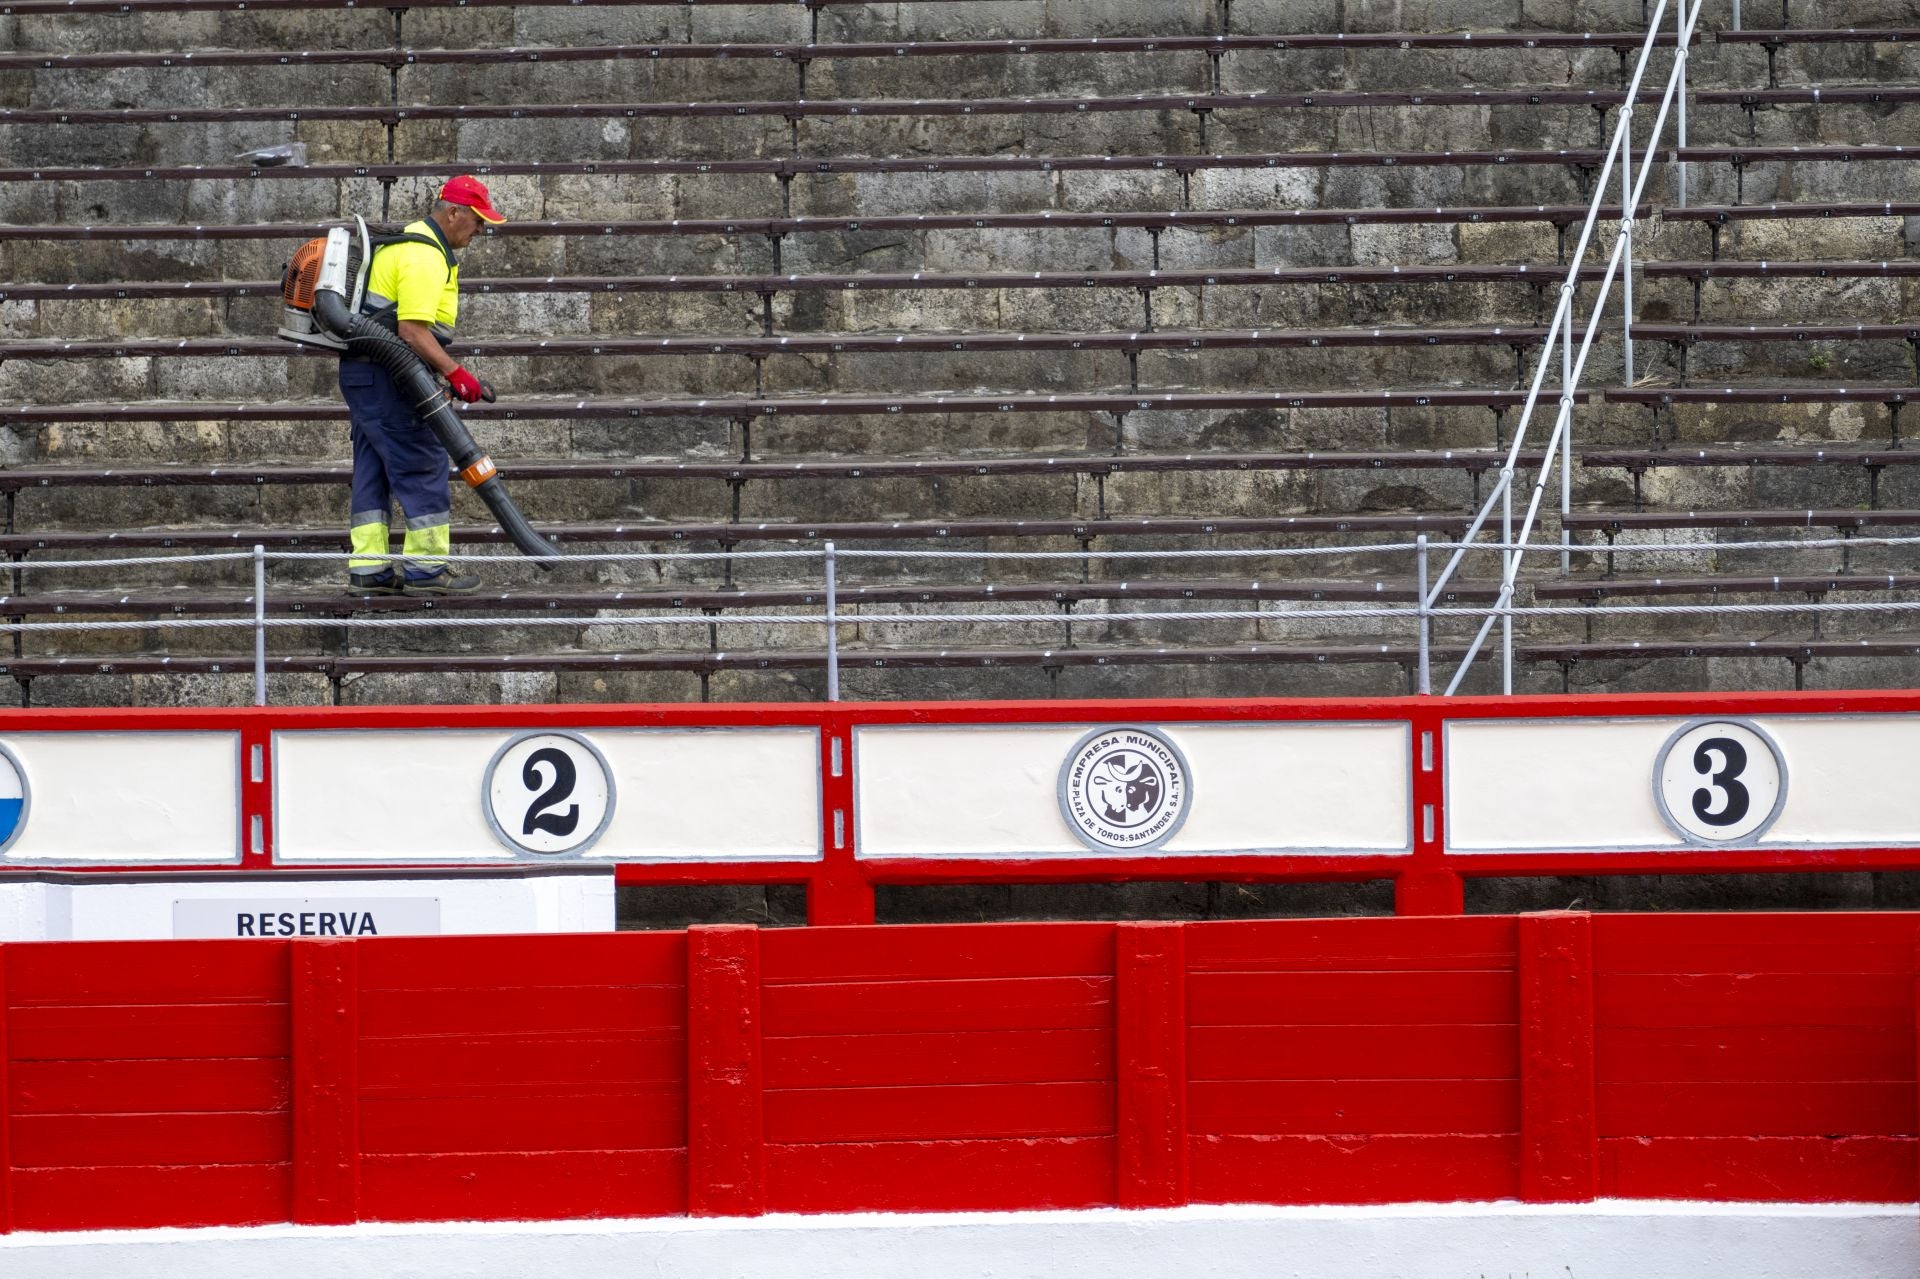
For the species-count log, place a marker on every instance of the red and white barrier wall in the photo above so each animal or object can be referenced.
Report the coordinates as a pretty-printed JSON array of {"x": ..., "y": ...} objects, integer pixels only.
[
  {"x": 320, "y": 810},
  {"x": 735, "y": 1072}
]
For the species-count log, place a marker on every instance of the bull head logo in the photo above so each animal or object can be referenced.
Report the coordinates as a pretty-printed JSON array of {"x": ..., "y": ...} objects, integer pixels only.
[{"x": 1126, "y": 787}]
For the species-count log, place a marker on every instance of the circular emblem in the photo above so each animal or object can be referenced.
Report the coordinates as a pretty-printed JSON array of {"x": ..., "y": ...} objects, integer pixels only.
[
  {"x": 1124, "y": 789},
  {"x": 13, "y": 799},
  {"x": 548, "y": 793},
  {"x": 1719, "y": 781}
]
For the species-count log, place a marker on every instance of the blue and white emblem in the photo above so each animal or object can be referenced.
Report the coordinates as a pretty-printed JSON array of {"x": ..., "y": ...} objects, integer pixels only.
[{"x": 13, "y": 798}]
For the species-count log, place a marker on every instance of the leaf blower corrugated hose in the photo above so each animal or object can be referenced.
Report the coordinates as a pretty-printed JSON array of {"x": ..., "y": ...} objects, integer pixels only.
[{"x": 365, "y": 337}]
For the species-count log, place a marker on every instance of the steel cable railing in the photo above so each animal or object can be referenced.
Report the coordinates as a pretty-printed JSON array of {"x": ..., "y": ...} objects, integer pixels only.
[{"x": 1426, "y": 610}]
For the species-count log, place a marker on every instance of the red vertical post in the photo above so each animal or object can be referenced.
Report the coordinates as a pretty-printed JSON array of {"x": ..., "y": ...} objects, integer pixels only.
[
  {"x": 1427, "y": 886},
  {"x": 6, "y": 1151},
  {"x": 1559, "y": 1145},
  {"x": 1150, "y": 1015},
  {"x": 326, "y": 1083},
  {"x": 726, "y": 1134},
  {"x": 256, "y": 796},
  {"x": 839, "y": 893}
]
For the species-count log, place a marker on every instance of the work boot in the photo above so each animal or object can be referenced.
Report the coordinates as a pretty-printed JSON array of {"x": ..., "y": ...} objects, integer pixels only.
[
  {"x": 378, "y": 582},
  {"x": 442, "y": 583}
]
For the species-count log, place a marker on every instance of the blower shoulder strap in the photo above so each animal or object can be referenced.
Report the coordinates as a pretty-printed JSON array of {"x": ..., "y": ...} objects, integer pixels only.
[{"x": 380, "y": 238}]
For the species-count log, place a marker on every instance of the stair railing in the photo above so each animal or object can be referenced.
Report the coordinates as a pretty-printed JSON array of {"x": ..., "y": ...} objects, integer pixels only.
[{"x": 1560, "y": 335}]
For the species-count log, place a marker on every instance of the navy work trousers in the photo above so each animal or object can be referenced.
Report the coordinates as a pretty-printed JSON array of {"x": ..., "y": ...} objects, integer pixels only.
[{"x": 396, "y": 457}]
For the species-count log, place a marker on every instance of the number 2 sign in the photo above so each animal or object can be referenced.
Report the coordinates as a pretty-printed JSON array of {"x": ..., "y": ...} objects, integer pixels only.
[
  {"x": 1720, "y": 782},
  {"x": 548, "y": 793}
]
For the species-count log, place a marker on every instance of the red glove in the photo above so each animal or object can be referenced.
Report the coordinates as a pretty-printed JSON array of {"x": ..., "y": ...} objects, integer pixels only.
[{"x": 468, "y": 388}]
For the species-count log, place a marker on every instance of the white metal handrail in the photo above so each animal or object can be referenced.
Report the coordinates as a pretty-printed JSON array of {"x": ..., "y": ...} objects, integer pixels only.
[{"x": 1560, "y": 333}]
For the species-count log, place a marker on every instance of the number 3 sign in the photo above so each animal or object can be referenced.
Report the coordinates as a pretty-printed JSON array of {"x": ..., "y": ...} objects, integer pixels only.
[
  {"x": 548, "y": 793},
  {"x": 1720, "y": 782}
]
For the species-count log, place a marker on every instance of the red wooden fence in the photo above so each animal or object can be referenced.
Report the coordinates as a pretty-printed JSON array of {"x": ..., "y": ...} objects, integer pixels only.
[{"x": 735, "y": 1071}]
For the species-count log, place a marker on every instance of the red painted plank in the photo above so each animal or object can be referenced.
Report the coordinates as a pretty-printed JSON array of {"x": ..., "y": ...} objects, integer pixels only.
[
  {"x": 1753, "y": 999},
  {"x": 147, "y": 972},
  {"x": 1557, "y": 1147},
  {"x": 1793, "y": 1169},
  {"x": 1353, "y": 1052},
  {"x": 1420, "y": 1106},
  {"x": 441, "y": 1065},
  {"x": 1838, "y": 959},
  {"x": 326, "y": 1084},
  {"x": 132, "y": 1198},
  {"x": 978, "y": 1057},
  {"x": 46, "y": 1032},
  {"x": 483, "y": 963},
  {"x": 937, "y": 1113},
  {"x": 400, "y": 1014},
  {"x": 1732, "y": 1109},
  {"x": 86, "y": 1141},
  {"x": 140, "y": 1087},
  {"x": 638, "y": 1120},
  {"x": 1849, "y": 943},
  {"x": 726, "y": 1131},
  {"x": 941, "y": 1176},
  {"x": 1376, "y": 1169},
  {"x": 1321, "y": 999},
  {"x": 1620, "y": 934},
  {"x": 1413, "y": 943},
  {"x": 1023, "y": 1003},
  {"x": 1151, "y": 1053},
  {"x": 924, "y": 952},
  {"x": 1757, "y": 1054},
  {"x": 523, "y": 1187}
]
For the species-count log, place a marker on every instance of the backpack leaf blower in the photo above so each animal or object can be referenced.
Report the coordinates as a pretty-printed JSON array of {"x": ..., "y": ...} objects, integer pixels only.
[{"x": 322, "y": 291}]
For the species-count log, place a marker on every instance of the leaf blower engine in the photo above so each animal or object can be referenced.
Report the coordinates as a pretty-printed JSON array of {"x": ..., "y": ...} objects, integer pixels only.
[{"x": 322, "y": 289}]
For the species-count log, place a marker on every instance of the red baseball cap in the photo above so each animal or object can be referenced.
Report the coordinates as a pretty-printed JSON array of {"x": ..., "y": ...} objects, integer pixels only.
[{"x": 472, "y": 192}]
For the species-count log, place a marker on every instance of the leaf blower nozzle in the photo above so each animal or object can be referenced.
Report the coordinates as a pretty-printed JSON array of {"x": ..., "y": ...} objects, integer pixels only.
[{"x": 325, "y": 286}]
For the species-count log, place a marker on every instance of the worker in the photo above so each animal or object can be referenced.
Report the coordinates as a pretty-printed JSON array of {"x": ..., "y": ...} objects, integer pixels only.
[{"x": 413, "y": 287}]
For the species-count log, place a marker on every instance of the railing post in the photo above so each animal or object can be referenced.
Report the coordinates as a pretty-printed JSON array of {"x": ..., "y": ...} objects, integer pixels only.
[
  {"x": 1507, "y": 571},
  {"x": 833, "y": 629},
  {"x": 259, "y": 625},
  {"x": 1626, "y": 235},
  {"x": 1566, "y": 432},
  {"x": 325, "y": 994},
  {"x": 1558, "y": 1130},
  {"x": 1426, "y": 616},
  {"x": 1680, "y": 101},
  {"x": 1150, "y": 1008},
  {"x": 726, "y": 1130},
  {"x": 1736, "y": 15}
]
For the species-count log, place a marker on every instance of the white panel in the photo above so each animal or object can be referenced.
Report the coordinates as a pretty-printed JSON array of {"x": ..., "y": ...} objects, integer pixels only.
[
  {"x": 128, "y": 797},
  {"x": 993, "y": 791},
  {"x": 415, "y": 795},
  {"x": 576, "y": 901},
  {"x": 713, "y": 794},
  {"x": 1850, "y": 780},
  {"x": 1530, "y": 785},
  {"x": 1574, "y": 785},
  {"x": 383, "y": 796}
]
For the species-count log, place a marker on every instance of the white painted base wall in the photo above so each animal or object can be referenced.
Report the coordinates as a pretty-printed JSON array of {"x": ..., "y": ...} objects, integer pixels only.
[{"x": 1609, "y": 1240}]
